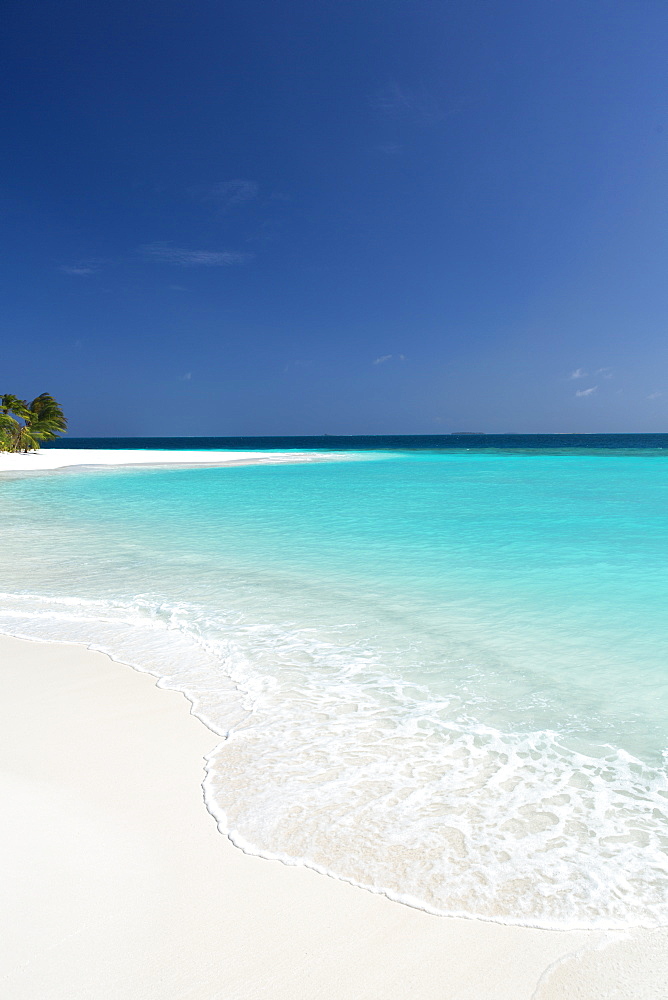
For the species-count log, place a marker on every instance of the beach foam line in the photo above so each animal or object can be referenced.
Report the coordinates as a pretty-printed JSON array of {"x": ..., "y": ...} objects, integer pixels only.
[
  {"x": 61, "y": 458},
  {"x": 269, "y": 768}
]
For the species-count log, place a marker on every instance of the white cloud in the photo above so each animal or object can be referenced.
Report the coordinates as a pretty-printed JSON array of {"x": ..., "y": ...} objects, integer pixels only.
[
  {"x": 266, "y": 232},
  {"x": 605, "y": 372},
  {"x": 186, "y": 377},
  {"x": 393, "y": 101},
  {"x": 227, "y": 194},
  {"x": 654, "y": 395},
  {"x": 82, "y": 268},
  {"x": 165, "y": 253},
  {"x": 417, "y": 106},
  {"x": 586, "y": 392},
  {"x": 388, "y": 357},
  {"x": 578, "y": 373}
]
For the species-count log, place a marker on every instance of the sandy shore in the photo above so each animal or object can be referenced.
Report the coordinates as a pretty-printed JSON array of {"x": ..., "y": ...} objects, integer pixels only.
[
  {"x": 116, "y": 883},
  {"x": 60, "y": 458}
]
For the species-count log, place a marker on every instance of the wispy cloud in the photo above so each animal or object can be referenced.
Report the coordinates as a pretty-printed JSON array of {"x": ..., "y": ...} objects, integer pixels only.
[
  {"x": 227, "y": 194},
  {"x": 417, "y": 106},
  {"x": 578, "y": 373},
  {"x": 266, "y": 232},
  {"x": 604, "y": 372},
  {"x": 654, "y": 395},
  {"x": 165, "y": 253},
  {"x": 82, "y": 268},
  {"x": 392, "y": 100},
  {"x": 388, "y": 357},
  {"x": 586, "y": 392},
  {"x": 187, "y": 377}
]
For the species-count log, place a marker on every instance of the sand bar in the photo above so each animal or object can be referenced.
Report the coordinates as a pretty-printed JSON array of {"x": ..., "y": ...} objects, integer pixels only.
[
  {"x": 116, "y": 882},
  {"x": 60, "y": 458}
]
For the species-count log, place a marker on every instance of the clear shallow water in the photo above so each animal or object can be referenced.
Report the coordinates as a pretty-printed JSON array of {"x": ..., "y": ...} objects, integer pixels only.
[{"x": 440, "y": 675}]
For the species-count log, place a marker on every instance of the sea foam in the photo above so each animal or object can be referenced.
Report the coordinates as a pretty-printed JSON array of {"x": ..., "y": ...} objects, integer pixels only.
[{"x": 347, "y": 771}]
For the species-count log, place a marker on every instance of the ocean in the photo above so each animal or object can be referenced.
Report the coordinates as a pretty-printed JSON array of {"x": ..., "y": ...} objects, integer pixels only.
[{"x": 436, "y": 667}]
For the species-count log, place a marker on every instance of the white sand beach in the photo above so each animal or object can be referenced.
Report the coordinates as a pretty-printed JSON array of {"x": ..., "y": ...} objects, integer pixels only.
[
  {"x": 116, "y": 882},
  {"x": 61, "y": 458}
]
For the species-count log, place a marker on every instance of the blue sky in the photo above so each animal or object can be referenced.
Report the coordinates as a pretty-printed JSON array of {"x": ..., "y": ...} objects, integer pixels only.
[{"x": 337, "y": 216}]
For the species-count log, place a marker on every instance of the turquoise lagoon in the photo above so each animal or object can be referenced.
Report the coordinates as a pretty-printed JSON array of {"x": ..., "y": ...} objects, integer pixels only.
[{"x": 439, "y": 675}]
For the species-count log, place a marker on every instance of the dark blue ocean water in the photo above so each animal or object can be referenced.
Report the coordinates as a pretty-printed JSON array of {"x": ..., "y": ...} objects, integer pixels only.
[{"x": 389, "y": 442}]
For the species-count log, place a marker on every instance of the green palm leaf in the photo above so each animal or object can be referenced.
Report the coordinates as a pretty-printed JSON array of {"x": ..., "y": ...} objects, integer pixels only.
[{"x": 23, "y": 425}]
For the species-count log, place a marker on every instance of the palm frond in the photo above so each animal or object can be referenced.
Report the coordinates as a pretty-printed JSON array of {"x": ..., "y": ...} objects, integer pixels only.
[{"x": 23, "y": 425}]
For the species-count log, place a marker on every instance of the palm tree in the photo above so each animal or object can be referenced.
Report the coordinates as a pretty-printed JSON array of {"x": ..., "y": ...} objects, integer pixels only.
[
  {"x": 8, "y": 426},
  {"x": 23, "y": 425}
]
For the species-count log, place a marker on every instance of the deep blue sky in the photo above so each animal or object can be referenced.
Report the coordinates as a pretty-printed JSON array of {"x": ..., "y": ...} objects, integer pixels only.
[{"x": 337, "y": 216}]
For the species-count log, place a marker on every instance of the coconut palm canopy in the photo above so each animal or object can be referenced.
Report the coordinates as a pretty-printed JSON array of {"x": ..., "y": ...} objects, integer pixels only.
[{"x": 24, "y": 425}]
